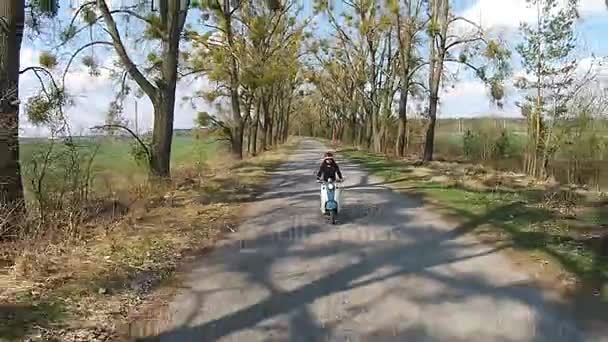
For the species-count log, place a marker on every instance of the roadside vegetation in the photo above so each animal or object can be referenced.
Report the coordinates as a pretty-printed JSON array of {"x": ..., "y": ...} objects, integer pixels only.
[{"x": 90, "y": 224}]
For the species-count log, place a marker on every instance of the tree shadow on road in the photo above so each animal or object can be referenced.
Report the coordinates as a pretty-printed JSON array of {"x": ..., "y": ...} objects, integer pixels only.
[
  {"x": 16, "y": 320},
  {"x": 294, "y": 302},
  {"x": 399, "y": 242}
]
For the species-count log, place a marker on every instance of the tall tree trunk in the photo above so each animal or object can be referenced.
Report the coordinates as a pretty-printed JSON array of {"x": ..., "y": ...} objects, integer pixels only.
[
  {"x": 353, "y": 128},
  {"x": 11, "y": 187},
  {"x": 280, "y": 129},
  {"x": 341, "y": 132},
  {"x": 376, "y": 134},
  {"x": 405, "y": 87},
  {"x": 429, "y": 142},
  {"x": 405, "y": 60},
  {"x": 280, "y": 120},
  {"x": 361, "y": 134},
  {"x": 407, "y": 138},
  {"x": 285, "y": 133},
  {"x": 266, "y": 124},
  {"x": 256, "y": 125},
  {"x": 235, "y": 100},
  {"x": 162, "y": 135},
  {"x": 247, "y": 126},
  {"x": 277, "y": 127},
  {"x": 249, "y": 135},
  {"x": 237, "y": 139},
  {"x": 400, "y": 144},
  {"x": 369, "y": 130},
  {"x": 164, "y": 104},
  {"x": 440, "y": 14},
  {"x": 270, "y": 126}
]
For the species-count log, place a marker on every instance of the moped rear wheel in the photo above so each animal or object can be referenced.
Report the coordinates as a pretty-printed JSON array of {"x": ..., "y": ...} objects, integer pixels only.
[{"x": 332, "y": 216}]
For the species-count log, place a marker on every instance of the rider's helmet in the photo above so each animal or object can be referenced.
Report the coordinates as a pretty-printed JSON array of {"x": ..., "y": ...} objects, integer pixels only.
[{"x": 328, "y": 157}]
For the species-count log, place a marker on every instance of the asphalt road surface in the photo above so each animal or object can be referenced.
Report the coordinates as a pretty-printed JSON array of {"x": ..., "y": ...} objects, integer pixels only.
[{"x": 391, "y": 270}]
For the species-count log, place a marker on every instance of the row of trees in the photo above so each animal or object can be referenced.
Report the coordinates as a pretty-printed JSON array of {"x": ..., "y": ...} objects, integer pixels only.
[
  {"x": 385, "y": 61},
  {"x": 252, "y": 53},
  {"x": 380, "y": 56},
  {"x": 249, "y": 50}
]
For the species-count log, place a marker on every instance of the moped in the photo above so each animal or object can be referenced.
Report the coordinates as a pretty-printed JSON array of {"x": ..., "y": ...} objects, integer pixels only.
[{"x": 330, "y": 199}]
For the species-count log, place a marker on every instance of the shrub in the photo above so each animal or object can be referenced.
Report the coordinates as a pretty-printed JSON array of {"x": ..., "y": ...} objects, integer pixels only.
[
  {"x": 488, "y": 144},
  {"x": 60, "y": 178}
]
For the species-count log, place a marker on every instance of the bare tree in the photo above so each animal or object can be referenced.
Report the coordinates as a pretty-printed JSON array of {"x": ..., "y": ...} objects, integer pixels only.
[
  {"x": 442, "y": 42},
  {"x": 409, "y": 25}
]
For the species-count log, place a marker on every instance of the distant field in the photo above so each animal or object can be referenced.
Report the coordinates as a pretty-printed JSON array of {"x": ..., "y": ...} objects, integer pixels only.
[{"x": 113, "y": 165}]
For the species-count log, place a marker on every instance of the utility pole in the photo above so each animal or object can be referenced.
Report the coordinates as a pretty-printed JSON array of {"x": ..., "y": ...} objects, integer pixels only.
[{"x": 136, "y": 123}]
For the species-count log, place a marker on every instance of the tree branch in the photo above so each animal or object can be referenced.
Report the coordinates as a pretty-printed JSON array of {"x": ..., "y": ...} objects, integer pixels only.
[
  {"x": 421, "y": 85},
  {"x": 467, "y": 21},
  {"x": 82, "y": 48},
  {"x": 215, "y": 27},
  {"x": 131, "y": 13},
  {"x": 83, "y": 6},
  {"x": 191, "y": 72},
  {"x": 135, "y": 136},
  {"x": 464, "y": 41},
  {"x": 36, "y": 70},
  {"x": 135, "y": 73}
]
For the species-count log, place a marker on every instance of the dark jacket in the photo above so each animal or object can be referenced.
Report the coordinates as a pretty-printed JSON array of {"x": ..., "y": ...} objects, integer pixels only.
[{"x": 329, "y": 170}]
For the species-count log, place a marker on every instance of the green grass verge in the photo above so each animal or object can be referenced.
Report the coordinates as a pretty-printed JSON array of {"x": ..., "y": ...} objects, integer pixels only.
[{"x": 515, "y": 213}]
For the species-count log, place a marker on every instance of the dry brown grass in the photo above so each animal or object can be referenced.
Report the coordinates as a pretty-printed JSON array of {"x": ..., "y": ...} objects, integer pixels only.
[{"x": 115, "y": 266}]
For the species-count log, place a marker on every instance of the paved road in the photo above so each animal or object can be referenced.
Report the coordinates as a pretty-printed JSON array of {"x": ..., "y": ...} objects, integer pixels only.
[{"x": 390, "y": 271}]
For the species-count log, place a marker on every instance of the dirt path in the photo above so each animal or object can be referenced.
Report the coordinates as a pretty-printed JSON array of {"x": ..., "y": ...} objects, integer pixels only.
[{"x": 390, "y": 271}]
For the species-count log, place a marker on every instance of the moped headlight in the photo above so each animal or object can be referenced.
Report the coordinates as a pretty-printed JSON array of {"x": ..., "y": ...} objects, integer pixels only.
[{"x": 330, "y": 186}]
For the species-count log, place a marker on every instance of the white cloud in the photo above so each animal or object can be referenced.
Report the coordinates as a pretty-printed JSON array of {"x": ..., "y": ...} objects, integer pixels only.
[
  {"x": 597, "y": 67},
  {"x": 73, "y": 4},
  {"x": 92, "y": 96},
  {"x": 29, "y": 57},
  {"x": 495, "y": 14},
  {"x": 471, "y": 98},
  {"x": 596, "y": 64},
  {"x": 590, "y": 8},
  {"x": 594, "y": 67}
]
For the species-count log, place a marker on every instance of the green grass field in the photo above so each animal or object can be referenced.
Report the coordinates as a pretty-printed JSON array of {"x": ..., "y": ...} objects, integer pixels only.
[{"x": 113, "y": 166}]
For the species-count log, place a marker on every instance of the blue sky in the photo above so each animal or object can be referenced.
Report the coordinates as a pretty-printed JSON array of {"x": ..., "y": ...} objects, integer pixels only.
[
  {"x": 469, "y": 97},
  {"x": 466, "y": 98}
]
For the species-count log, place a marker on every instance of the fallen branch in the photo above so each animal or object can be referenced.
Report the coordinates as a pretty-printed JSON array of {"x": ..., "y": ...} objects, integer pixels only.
[{"x": 135, "y": 136}]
